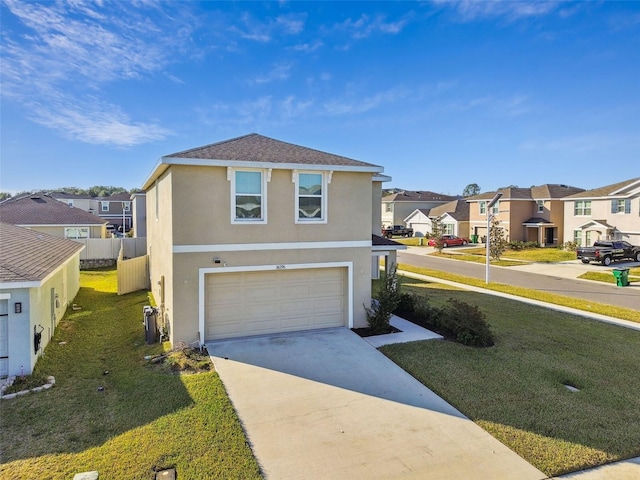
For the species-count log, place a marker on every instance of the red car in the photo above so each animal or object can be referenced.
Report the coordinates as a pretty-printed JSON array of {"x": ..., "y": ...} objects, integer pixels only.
[{"x": 449, "y": 241}]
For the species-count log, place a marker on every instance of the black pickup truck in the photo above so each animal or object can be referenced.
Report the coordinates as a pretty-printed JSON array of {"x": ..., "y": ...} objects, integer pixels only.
[
  {"x": 397, "y": 230},
  {"x": 606, "y": 252}
]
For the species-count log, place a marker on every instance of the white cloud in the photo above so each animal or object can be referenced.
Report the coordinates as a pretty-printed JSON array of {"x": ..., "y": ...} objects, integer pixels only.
[
  {"x": 278, "y": 73},
  {"x": 470, "y": 10},
  {"x": 366, "y": 25},
  {"x": 257, "y": 30},
  {"x": 352, "y": 105},
  {"x": 76, "y": 48}
]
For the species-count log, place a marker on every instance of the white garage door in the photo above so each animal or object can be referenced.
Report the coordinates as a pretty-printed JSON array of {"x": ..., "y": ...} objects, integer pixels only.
[{"x": 256, "y": 303}]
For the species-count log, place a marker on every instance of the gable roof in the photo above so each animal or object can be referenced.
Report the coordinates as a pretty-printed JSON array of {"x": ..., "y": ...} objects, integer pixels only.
[
  {"x": 41, "y": 209},
  {"x": 257, "y": 151},
  {"x": 623, "y": 189},
  {"x": 417, "y": 196},
  {"x": 69, "y": 196},
  {"x": 458, "y": 210},
  {"x": 547, "y": 191},
  {"x": 31, "y": 256}
]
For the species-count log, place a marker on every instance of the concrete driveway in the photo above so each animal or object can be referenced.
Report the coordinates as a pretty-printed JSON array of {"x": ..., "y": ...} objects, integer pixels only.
[{"x": 327, "y": 405}]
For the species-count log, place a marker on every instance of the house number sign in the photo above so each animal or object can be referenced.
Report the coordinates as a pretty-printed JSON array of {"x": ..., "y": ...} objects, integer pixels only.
[{"x": 281, "y": 267}]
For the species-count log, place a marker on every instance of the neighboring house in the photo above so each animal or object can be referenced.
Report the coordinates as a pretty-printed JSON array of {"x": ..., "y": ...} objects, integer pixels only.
[
  {"x": 453, "y": 217},
  {"x": 254, "y": 235},
  {"x": 398, "y": 206},
  {"x": 605, "y": 213},
  {"x": 39, "y": 277},
  {"x": 533, "y": 214},
  {"x": 139, "y": 214},
  {"x": 47, "y": 215},
  {"x": 116, "y": 209}
]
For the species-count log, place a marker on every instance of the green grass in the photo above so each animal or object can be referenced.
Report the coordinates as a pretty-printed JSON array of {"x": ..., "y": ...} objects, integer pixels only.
[
  {"x": 579, "y": 304},
  {"x": 515, "y": 257},
  {"x": 515, "y": 390},
  {"x": 412, "y": 241},
  {"x": 466, "y": 257},
  {"x": 143, "y": 420},
  {"x": 607, "y": 277}
]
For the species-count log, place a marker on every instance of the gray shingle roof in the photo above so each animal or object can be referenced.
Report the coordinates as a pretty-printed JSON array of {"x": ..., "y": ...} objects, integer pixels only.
[
  {"x": 27, "y": 255},
  {"x": 458, "y": 209},
  {"x": 417, "y": 196},
  {"x": 40, "y": 209},
  {"x": 257, "y": 148},
  {"x": 540, "y": 192},
  {"x": 621, "y": 187}
]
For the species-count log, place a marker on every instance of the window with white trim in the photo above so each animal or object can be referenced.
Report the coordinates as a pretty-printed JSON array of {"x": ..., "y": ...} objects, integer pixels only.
[
  {"x": 104, "y": 206},
  {"x": 76, "y": 232},
  {"x": 577, "y": 237},
  {"x": 126, "y": 206},
  {"x": 582, "y": 207},
  {"x": 495, "y": 209},
  {"x": 483, "y": 207},
  {"x": 70, "y": 203},
  {"x": 248, "y": 196},
  {"x": 540, "y": 204},
  {"x": 447, "y": 228},
  {"x": 388, "y": 207},
  {"x": 621, "y": 205},
  {"x": 311, "y": 197}
]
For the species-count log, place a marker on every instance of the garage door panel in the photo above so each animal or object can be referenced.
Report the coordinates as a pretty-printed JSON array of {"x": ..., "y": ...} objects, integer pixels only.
[{"x": 254, "y": 303}]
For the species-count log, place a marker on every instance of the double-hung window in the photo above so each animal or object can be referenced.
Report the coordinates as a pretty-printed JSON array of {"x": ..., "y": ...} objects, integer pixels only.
[
  {"x": 582, "y": 207},
  {"x": 311, "y": 197},
  {"x": 621, "y": 206},
  {"x": 483, "y": 207},
  {"x": 105, "y": 206},
  {"x": 248, "y": 197},
  {"x": 540, "y": 204}
]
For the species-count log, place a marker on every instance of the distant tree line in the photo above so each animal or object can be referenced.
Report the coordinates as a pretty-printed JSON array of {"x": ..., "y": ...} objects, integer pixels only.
[{"x": 97, "y": 191}]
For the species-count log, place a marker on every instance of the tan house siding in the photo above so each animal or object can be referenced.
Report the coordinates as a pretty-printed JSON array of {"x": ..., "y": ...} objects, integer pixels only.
[{"x": 195, "y": 218}]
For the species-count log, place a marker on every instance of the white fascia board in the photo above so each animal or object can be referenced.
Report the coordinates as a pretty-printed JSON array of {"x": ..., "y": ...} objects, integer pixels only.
[
  {"x": 387, "y": 248},
  {"x": 15, "y": 285},
  {"x": 244, "y": 247},
  {"x": 379, "y": 177},
  {"x": 165, "y": 162}
]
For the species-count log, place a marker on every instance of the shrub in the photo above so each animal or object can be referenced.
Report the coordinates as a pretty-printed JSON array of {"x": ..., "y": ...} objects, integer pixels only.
[
  {"x": 464, "y": 323},
  {"x": 570, "y": 246},
  {"x": 387, "y": 300}
]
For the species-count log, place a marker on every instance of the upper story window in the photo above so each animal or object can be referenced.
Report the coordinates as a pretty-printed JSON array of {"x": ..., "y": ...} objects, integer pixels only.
[
  {"x": 70, "y": 203},
  {"x": 126, "y": 206},
  {"x": 104, "y": 206},
  {"x": 495, "y": 209},
  {"x": 248, "y": 196},
  {"x": 582, "y": 207},
  {"x": 388, "y": 207},
  {"x": 483, "y": 207},
  {"x": 311, "y": 196},
  {"x": 540, "y": 206},
  {"x": 621, "y": 206}
]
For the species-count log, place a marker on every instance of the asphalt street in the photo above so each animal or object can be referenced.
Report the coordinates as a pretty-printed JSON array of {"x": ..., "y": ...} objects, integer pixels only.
[{"x": 589, "y": 291}]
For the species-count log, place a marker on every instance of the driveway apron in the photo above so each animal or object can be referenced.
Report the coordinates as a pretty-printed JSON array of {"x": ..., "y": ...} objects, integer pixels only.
[{"x": 327, "y": 405}]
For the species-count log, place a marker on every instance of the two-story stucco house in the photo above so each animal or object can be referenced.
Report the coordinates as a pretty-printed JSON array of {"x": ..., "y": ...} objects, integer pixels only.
[
  {"x": 606, "y": 213},
  {"x": 534, "y": 214},
  {"x": 398, "y": 206},
  {"x": 254, "y": 235},
  {"x": 453, "y": 217}
]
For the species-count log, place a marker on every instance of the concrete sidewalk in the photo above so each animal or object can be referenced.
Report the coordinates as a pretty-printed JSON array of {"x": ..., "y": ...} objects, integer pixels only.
[{"x": 327, "y": 405}]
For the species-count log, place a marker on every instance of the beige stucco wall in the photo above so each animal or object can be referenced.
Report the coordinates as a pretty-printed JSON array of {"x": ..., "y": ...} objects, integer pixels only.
[
  {"x": 195, "y": 210},
  {"x": 627, "y": 224},
  {"x": 159, "y": 245},
  {"x": 376, "y": 205},
  {"x": 95, "y": 231}
]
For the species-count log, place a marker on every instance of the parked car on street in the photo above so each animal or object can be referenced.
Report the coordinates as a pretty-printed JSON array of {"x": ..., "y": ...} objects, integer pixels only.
[
  {"x": 397, "y": 230},
  {"x": 449, "y": 241},
  {"x": 606, "y": 252}
]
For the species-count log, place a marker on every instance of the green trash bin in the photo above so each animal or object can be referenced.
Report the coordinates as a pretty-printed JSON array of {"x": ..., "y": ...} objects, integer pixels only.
[
  {"x": 622, "y": 276},
  {"x": 474, "y": 238}
]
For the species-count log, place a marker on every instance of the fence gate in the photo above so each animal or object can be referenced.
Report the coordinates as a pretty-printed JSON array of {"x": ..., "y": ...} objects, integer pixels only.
[{"x": 133, "y": 274}]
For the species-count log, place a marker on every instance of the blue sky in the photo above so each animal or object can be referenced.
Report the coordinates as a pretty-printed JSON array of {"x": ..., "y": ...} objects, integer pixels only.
[{"x": 442, "y": 94}]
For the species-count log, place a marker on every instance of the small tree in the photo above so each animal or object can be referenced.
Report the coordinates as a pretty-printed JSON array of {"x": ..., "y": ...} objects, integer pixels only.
[
  {"x": 436, "y": 234},
  {"x": 471, "y": 190},
  {"x": 386, "y": 301},
  {"x": 498, "y": 243}
]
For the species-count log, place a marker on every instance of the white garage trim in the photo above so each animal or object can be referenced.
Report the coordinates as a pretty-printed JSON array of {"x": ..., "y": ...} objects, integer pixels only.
[
  {"x": 250, "y": 247},
  {"x": 203, "y": 272}
]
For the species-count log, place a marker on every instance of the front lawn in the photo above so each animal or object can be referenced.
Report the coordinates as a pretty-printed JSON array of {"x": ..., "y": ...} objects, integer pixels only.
[
  {"x": 607, "y": 276},
  {"x": 539, "y": 255},
  {"x": 515, "y": 390},
  {"x": 113, "y": 412}
]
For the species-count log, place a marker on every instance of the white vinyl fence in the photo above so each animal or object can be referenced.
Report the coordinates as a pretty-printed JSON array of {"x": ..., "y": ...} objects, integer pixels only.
[
  {"x": 133, "y": 274},
  {"x": 109, "y": 248}
]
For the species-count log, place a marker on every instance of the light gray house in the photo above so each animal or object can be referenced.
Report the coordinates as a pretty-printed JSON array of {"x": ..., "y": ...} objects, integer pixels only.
[
  {"x": 398, "y": 206},
  {"x": 39, "y": 277}
]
